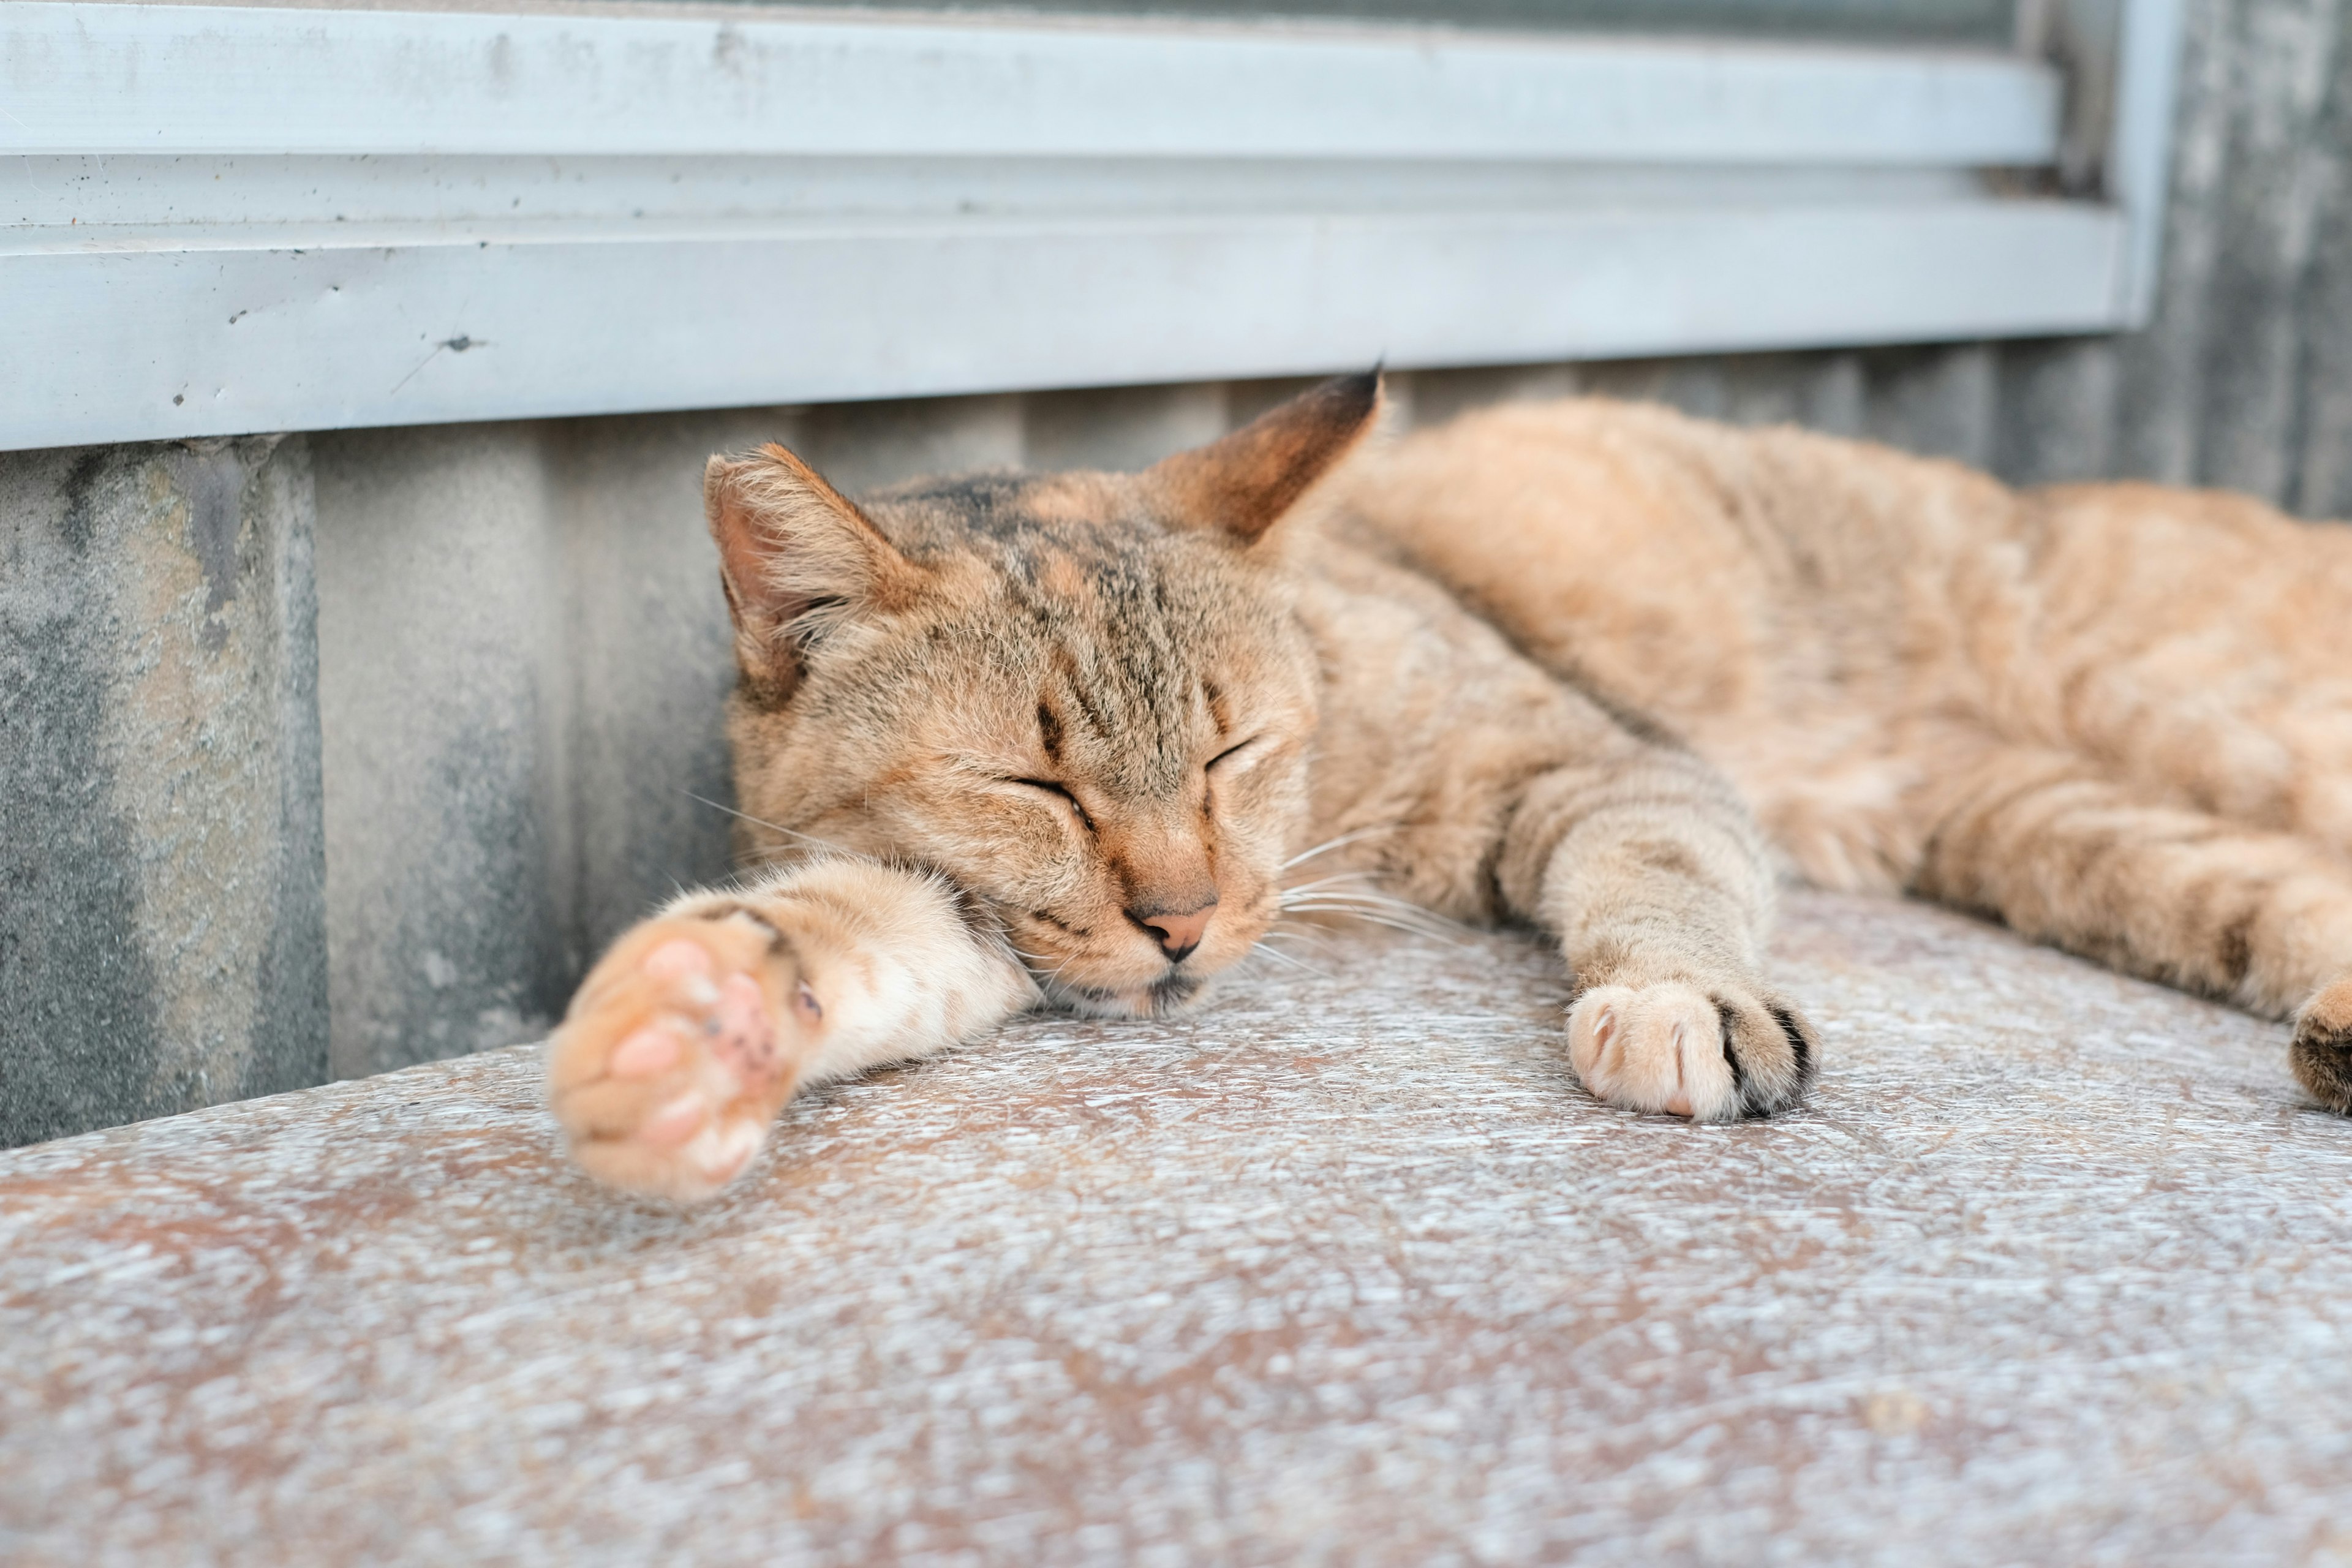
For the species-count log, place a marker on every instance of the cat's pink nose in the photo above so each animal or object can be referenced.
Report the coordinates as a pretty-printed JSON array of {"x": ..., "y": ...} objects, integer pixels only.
[{"x": 1179, "y": 933}]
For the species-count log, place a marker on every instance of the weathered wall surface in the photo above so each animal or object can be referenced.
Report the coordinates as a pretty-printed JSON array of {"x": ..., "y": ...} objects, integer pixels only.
[
  {"x": 440, "y": 610},
  {"x": 162, "y": 873},
  {"x": 506, "y": 726}
]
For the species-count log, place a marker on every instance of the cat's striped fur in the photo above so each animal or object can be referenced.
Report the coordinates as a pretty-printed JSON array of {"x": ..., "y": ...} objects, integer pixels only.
[{"x": 1086, "y": 739}]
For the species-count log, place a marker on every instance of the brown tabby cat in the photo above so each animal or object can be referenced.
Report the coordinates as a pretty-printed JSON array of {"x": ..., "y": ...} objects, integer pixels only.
[{"x": 1062, "y": 740}]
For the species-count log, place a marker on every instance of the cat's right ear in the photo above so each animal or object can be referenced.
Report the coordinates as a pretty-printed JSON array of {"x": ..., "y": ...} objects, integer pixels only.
[{"x": 796, "y": 557}]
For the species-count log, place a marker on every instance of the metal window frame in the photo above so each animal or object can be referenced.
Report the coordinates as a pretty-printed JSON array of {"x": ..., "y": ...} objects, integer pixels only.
[{"x": 627, "y": 209}]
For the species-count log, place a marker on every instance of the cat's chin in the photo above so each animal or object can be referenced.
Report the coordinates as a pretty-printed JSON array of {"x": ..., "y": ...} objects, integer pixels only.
[{"x": 1173, "y": 995}]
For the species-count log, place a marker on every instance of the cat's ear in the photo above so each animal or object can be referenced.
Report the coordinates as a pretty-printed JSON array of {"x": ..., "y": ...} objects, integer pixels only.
[
  {"x": 1261, "y": 473},
  {"x": 796, "y": 556}
]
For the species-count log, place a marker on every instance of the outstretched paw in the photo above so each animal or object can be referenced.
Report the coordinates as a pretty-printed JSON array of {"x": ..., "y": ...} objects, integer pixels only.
[
  {"x": 2322, "y": 1054},
  {"x": 676, "y": 1053},
  {"x": 1677, "y": 1049}
]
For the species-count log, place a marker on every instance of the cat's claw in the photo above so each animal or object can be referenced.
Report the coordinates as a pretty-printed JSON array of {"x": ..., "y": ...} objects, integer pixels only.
[
  {"x": 1711, "y": 1057},
  {"x": 677, "y": 1052}
]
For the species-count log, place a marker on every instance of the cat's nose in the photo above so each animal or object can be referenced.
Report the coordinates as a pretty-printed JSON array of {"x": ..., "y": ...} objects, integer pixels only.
[{"x": 1180, "y": 931}]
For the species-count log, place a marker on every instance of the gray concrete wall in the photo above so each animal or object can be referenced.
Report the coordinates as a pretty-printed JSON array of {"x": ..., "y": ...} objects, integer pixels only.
[
  {"x": 162, "y": 938},
  {"x": 441, "y": 615},
  {"x": 246, "y": 842}
]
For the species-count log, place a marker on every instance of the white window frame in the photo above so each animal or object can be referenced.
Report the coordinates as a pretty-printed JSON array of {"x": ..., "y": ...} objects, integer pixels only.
[{"x": 636, "y": 209}]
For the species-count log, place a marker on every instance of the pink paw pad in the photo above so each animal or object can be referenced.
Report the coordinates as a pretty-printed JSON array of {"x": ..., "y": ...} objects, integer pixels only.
[
  {"x": 741, "y": 1035},
  {"x": 676, "y": 1123},
  {"x": 730, "y": 1151},
  {"x": 649, "y": 1053}
]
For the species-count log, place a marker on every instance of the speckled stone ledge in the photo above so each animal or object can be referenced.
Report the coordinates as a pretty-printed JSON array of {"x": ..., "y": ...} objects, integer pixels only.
[{"x": 2054, "y": 1269}]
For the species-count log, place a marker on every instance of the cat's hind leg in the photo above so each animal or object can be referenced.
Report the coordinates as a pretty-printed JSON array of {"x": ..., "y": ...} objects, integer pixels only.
[
  {"x": 2068, "y": 855},
  {"x": 2322, "y": 1054},
  {"x": 691, "y": 1033}
]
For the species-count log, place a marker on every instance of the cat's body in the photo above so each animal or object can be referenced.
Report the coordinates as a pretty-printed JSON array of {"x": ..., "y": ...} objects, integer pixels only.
[
  {"x": 2117, "y": 716},
  {"x": 1077, "y": 731}
]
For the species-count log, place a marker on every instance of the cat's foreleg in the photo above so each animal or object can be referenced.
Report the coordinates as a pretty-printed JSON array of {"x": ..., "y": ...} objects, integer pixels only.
[
  {"x": 696, "y": 1027},
  {"x": 2068, "y": 856},
  {"x": 1648, "y": 868}
]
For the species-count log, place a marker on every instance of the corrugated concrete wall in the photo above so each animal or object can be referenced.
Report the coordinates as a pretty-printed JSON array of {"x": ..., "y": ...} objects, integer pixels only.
[{"x": 503, "y": 730}]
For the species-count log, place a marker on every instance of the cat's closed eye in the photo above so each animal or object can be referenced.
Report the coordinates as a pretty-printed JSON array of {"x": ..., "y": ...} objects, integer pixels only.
[
  {"x": 1234, "y": 754},
  {"x": 1061, "y": 792}
]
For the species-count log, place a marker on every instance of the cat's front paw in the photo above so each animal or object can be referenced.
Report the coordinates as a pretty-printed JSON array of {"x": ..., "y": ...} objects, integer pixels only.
[
  {"x": 2322, "y": 1052},
  {"x": 1710, "y": 1056},
  {"x": 676, "y": 1053}
]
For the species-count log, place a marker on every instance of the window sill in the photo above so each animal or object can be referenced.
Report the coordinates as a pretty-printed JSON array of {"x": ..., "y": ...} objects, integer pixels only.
[{"x": 232, "y": 219}]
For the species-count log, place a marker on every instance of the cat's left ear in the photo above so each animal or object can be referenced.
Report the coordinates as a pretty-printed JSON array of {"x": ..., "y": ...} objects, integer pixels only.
[{"x": 1264, "y": 471}]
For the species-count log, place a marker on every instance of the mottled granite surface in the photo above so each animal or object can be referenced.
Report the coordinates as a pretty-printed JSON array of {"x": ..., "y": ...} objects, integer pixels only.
[{"x": 2054, "y": 1268}]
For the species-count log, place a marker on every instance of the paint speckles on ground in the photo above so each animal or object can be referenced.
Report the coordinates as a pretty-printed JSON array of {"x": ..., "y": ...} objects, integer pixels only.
[{"x": 1344, "y": 1270}]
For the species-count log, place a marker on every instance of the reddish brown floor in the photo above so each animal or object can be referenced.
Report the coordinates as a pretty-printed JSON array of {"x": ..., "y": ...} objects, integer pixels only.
[{"x": 2056, "y": 1269}]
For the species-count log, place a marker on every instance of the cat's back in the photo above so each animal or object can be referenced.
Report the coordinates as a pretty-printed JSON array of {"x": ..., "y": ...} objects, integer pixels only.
[
  {"x": 1691, "y": 568},
  {"x": 2140, "y": 562},
  {"x": 1827, "y": 619}
]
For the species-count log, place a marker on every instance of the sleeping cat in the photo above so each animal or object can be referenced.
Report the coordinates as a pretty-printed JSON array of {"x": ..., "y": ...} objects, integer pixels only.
[{"x": 1081, "y": 740}]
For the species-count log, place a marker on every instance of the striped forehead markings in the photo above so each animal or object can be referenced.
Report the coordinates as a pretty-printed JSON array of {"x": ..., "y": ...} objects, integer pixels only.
[{"x": 1066, "y": 665}]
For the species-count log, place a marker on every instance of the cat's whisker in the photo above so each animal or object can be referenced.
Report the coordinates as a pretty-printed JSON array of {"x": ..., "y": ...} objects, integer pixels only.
[
  {"x": 1037, "y": 959},
  {"x": 1363, "y": 881},
  {"x": 825, "y": 844},
  {"x": 1437, "y": 937},
  {"x": 1420, "y": 923},
  {"x": 1325, "y": 906},
  {"x": 1359, "y": 878},
  {"x": 1368, "y": 894},
  {"x": 1261, "y": 948},
  {"x": 1357, "y": 893},
  {"x": 1329, "y": 898},
  {"x": 1344, "y": 840},
  {"x": 1327, "y": 901},
  {"x": 1290, "y": 959}
]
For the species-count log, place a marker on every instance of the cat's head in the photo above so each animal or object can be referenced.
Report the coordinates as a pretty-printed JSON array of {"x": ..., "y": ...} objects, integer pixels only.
[{"x": 1082, "y": 697}]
